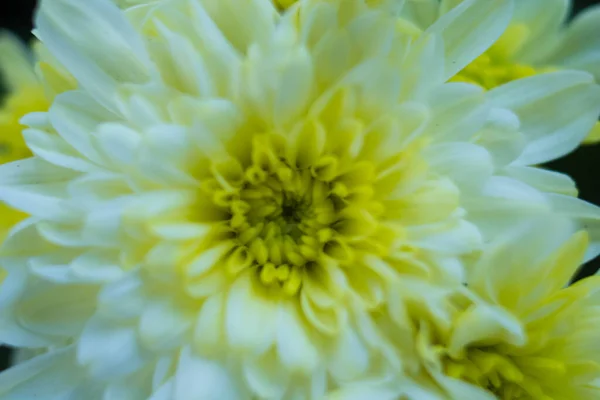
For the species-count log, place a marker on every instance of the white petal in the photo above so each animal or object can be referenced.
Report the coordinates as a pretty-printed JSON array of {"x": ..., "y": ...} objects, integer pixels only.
[
  {"x": 485, "y": 322},
  {"x": 295, "y": 346},
  {"x": 163, "y": 371},
  {"x": 265, "y": 378},
  {"x": 37, "y": 120},
  {"x": 331, "y": 56},
  {"x": 350, "y": 357},
  {"x": 31, "y": 171},
  {"x": 118, "y": 142},
  {"x": 139, "y": 108},
  {"x": 221, "y": 56},
  {"x": 97, "y": 266},
  {"x": 11, "y": 332},
  {"x": 56, "y": 150},
  {"x": 24, "y": 240},
  {"x": 251, "y": 318},
  {"x": 543, "y": 179},
  {"x": 89, "y": 188},
  {"x": 75, "y": 115},
  {"x": 215, "y": 281},
  {"x": 585, "y": 215},
  {"x": 209, "y": 332},
  {"x": 528, "y": 241},
  {"x": 461, "y": 237},
  {"x": 467, "y": 164},
  {"x": 108, "y": 349},
  {"x": 187, "y": 70},
  {"x": 103, "y": 225},
  {"x": 458, "y": 389},
  {"x": 470, "y": 29},
  {"x": 243, "y": 23},
  {"x": 181, "y": 231},
  {"x": 458, "y": 112},
  {"x": 363, "y": 390},
  {"x": 198, "y": 378},
  {"x": 124, "y": 298},
  {"x": 543, "y": 19},
  {"x": 578, "y": 48},
  {"x": 164, "y": 325},
  {"x": 166, "y": 155},
  {"x": 206, "y": 261},
  {"x": 39, "y": 201},
  {"x": 502, "y": 202},
  {"x": 556, "y": 110},
  {"x": 56, "y": 310},
  {"x": 150, "y": 204},
  {"x": 423, "y": 67},
  {"x": 133, "y": 387},
  {"x": 54, "y": 268},
  {"x": 501, "y": 187},
  {"x": 422, "y": 12},
  {"x": 294, "y": 88},
  {"x": 54, "y": 375},
  {"x": 95, "y": 42},
  {"x": 501, "y": 136},
  {"x": 164, "y": 392},
  {"x": 66, "y": 235}
]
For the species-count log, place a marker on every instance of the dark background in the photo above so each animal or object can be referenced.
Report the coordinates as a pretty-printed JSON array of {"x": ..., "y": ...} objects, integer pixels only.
[{"x": 581, "y": 165}]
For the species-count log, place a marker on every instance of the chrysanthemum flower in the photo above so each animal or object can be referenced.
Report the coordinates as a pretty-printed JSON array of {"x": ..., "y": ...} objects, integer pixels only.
[
  {"x": 225, "y": 201},
  {"x": 516, "y": 332},
  {"x": 536, "y": 41}
]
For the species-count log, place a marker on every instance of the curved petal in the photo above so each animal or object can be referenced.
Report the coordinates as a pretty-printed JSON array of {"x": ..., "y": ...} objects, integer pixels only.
[
  {"x": 556, "y": 111},
  {"x": 81, "y": 36},
  {"x": 579, "y": 47},
  {"x": 470, "y": 29},
  {"x": 198, "y": 378},
  {"x": 543, "y": 19},
  {"x": 54, "y": 375},
  {"x": 109, "y": 349}
]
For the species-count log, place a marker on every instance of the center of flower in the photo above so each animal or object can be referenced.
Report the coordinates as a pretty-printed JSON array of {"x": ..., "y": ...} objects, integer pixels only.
[
  {"x": 501, "y": 374},
  {"x": 287, "y": 218}
]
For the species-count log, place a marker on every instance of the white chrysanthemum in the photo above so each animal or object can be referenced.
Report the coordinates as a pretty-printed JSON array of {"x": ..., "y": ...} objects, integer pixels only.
[{"x": 232, "y": 191}]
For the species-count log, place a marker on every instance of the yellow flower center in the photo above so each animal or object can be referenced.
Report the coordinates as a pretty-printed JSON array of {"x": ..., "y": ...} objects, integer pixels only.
[
  {"x": 502, "y": 374},
  {"x": 287, "y": 218},
  {"x": 497, "y": 66}
]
